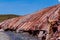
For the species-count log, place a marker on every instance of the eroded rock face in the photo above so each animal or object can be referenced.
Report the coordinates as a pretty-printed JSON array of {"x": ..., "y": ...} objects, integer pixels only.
[{"x": 47, "y": 20}]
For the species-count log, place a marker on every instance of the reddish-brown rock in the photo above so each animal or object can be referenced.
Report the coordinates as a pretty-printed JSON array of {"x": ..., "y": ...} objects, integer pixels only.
[{"x": 47, "y": 19}]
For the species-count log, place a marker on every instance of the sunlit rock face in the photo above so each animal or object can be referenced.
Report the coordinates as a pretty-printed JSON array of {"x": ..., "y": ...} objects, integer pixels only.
[{"x": 47, "y": 20}]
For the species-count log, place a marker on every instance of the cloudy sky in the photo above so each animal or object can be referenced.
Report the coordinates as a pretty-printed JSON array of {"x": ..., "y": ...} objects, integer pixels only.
[{"x": 23, "y": 7}]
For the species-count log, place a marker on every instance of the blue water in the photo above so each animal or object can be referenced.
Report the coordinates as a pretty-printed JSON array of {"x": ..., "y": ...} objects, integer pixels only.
[{"x": 17, "y": 36}]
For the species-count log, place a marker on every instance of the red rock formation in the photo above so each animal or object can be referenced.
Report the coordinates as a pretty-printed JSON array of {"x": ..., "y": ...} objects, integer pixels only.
[{"x": 47, "y": 19}]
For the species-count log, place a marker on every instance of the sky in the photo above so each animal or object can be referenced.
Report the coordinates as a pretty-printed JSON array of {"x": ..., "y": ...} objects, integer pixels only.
[{"x": 23, "y": 7}]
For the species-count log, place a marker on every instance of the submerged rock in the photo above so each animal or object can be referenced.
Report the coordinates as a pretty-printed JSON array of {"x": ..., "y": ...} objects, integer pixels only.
[{"x": 16, "y": 36}]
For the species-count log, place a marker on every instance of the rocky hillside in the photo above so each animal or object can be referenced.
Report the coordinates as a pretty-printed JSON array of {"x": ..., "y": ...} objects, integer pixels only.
[
  {"x": 45, "y": 23},
  {"x": 5, "y": 17}
]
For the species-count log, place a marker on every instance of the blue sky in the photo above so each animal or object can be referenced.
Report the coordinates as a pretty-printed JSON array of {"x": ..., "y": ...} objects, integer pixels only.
[{"x": 23, "y": 7}]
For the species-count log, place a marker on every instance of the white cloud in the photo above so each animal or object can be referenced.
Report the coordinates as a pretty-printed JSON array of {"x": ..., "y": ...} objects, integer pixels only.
[{"x": 58, "y": 0}]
